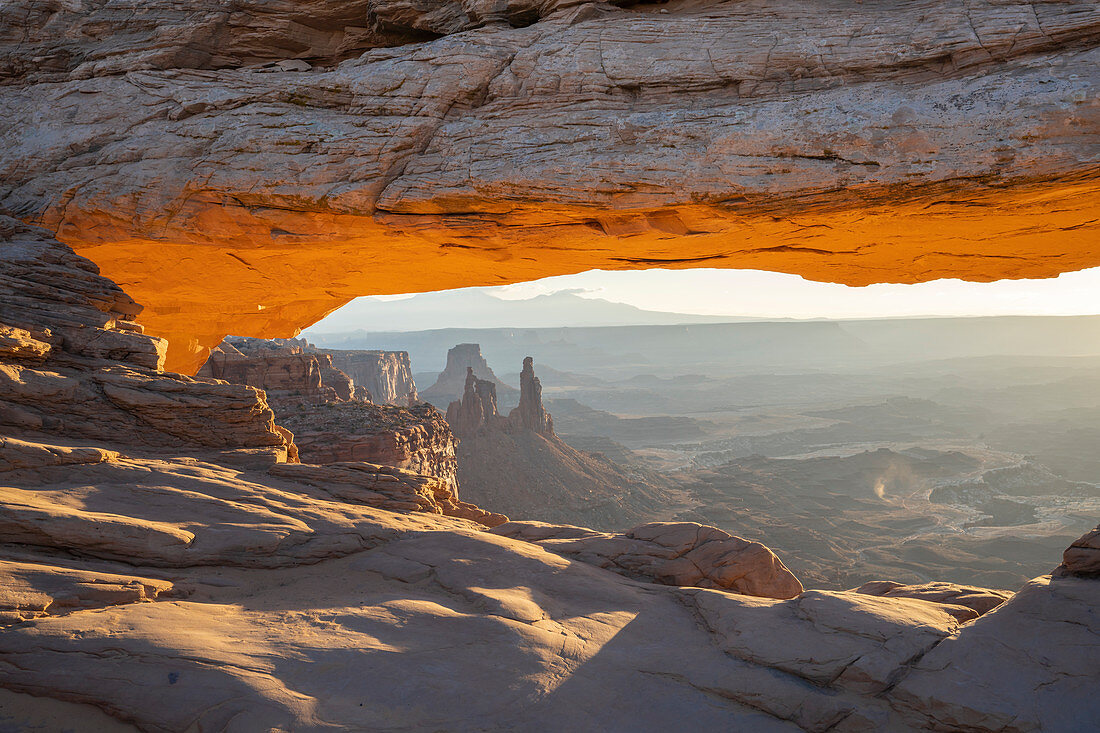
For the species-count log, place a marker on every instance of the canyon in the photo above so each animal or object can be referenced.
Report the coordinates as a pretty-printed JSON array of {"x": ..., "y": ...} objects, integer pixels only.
[{"x": 277, "y": 542}]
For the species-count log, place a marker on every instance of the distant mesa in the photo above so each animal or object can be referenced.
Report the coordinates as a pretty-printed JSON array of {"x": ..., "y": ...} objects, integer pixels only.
[
  {"x": 518, "y": 465},
  {"x": 451, "y": 383}
]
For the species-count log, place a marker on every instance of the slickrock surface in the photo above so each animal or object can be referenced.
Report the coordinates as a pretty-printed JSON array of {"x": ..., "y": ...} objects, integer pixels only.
[
  {"x": 964, "y": 602},
  {"x": 842, "y": 140},
  {"x": 222, "y": 590},
  {"x": 673, "y": 553},
  {"x": 518, "y": 466},
  {"x": 463, "y": 360}
]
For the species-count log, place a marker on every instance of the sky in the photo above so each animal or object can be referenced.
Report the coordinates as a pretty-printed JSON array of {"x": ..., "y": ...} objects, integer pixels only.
[
  {"x": 755, "y": 293},
  {"x": 759, "y": 294}
]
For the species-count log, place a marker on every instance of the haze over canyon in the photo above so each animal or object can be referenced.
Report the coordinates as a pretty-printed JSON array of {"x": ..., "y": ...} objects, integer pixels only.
[{"x": 222, "y": 511}]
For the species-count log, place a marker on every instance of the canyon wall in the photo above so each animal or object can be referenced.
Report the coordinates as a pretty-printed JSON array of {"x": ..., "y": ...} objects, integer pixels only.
[
  {"x": 386, "y": 374},
  {"x": 326, "y": 412},
  {"x": 843, "y": 141},
  {"x": 281, "y": 371}
]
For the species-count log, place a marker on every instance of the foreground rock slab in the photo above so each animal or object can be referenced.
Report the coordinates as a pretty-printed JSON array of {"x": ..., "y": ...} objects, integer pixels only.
[{"x": 674, "y": 553}]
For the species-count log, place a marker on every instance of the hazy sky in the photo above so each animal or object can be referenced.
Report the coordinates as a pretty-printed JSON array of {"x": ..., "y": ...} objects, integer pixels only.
[{"x": 755, "y": 293}]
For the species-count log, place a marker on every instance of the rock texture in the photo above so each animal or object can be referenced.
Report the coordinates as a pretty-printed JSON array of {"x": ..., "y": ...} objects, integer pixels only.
[
  {"x": 282, "y": 371},
  {"x": 964, "y": 602},
  {"x": 220, "y": 589},
  {"x": 519, "y": 466},
  {"x": 319, "y": 405},
  {"x": 74, "y": 364},
  {"x": 840, "y": 140},
  {"x": 673, "y": 553},
  {"x": 530, "y": 414},
  {"x": 416, "y": 439},
  {"x": 1083, "y": 556},
  {"x": 453, "y": 382},
  {"x": 387, "y": 375}
]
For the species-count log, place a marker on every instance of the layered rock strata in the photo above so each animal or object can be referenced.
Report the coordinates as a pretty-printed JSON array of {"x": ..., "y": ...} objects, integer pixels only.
[
  {"x": 321, "y": 406},
  {"x": 1082, "y": 558},
  {"x": 387, "y": 375},
  {"x": 964, "y": 602},
  {"x": 416, "y": 439},
  {"x": 838, "y": 140},
  {"x": 281, "y": 371}
]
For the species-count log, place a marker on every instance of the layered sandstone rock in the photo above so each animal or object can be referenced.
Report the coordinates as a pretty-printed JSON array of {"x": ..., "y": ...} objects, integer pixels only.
[
  {"x": 530, "y": 414},
  {"x": 839, "y": 140},
  {"x": 282, "y": 373},
  {"x": 75, "y": 365},
  {"x": 387, "y": 375},
  {"x": 673, "y": 553},
  {"x": 416, "y": 438},
  {"x": 477, "y": 410},
  {"x": 453, "y": 382},
  {"x": 318, "y": 404}
]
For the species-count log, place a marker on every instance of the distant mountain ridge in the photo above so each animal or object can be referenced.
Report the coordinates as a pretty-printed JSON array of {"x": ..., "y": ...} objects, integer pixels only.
[{"x": 473, "y": 308}]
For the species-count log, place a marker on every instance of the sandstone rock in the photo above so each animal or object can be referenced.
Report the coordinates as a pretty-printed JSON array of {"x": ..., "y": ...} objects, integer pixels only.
[
  {"x": 416, "y": 439},
  {"x": 519, "y": 466},
  {"x": 1028, "y": 667},
  {"x": 827, "y": 139},
  {"x": 477, "y": 410},
  {"x": 673, "y": 553},
  {"x": 30, "y": 590},
  {"x": 99, "y": 379},
  {"x": 240, "y": 596},
  {"x": 530, "y": 413},
  {"x": 462, "y": 361},
  {"x": 280, "y": 372},
  {"x": 1083, "y": 556},
  {"x": 16, "y": 344},
  {"x": 964, "y": 602},
  {"x": 387, "y": 375}
]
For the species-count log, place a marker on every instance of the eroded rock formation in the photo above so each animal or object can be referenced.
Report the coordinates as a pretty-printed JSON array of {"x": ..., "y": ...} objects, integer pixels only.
[
  {"x": 387, "y": 375},
  {"x": 283, "y": 371},
  {"x": 964, "y": 602},
  {"x": 331, "y": 423},
  {"x": 518, "y": 465},
  {"x": 454, "y": 381},
  {"x": 1083, "y": 556},
  {"x": 839, "y": 140}
]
